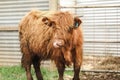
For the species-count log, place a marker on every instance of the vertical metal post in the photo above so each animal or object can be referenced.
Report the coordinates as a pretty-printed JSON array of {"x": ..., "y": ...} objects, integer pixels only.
[
  {"x": 53, "y": 5},
  {"x": 75, "y": 8}
]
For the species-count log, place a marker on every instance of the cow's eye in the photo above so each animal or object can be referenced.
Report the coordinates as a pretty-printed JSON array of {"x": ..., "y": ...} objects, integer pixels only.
[
  {"x": 48, "y": 22},
  {"x": 52, "y": 24}
]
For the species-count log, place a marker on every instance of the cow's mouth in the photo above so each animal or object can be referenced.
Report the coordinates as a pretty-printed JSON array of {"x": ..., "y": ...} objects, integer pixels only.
[{"x": 58, "y": 43}]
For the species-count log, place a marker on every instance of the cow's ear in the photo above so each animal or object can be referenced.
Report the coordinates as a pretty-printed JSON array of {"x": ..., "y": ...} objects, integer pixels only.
[
  {"x": 77, "y": 22},
  {"x": 48, "y": 22},
  {"x": 45, "y": 20}
]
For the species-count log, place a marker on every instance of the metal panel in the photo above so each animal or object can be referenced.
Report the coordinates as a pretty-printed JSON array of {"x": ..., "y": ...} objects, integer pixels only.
[
  {"x": 11, "y": 12},
  {"x": 9, "y": 48},
  {"x": 101, "y": 30},
  {"x": 101, "y": 25}
]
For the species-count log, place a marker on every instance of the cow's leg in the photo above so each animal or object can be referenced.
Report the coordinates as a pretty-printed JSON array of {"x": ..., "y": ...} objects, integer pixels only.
[
  {"x": 77, "y": 63},
  {"x": 76, "y": 71},
  {"x": 36, "y": 65},
  {"x": 26, "y": 63},
  {"x": 60, "y": 67},
  {"x": 28, "y": 72}
]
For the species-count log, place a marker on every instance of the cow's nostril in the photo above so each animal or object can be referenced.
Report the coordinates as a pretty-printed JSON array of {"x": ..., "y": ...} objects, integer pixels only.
[
  {"x": 58, "y": 43},
  {"x": 55, "y": 45}
]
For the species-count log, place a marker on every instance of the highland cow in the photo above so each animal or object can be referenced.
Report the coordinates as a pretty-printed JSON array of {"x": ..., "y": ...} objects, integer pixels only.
[{"x": 48, "y": 35}]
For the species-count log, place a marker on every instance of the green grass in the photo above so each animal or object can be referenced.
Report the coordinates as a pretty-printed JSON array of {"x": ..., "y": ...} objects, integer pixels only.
[
  {"x": 18, "y": 73},
  {"x": 12, "y": 73}
]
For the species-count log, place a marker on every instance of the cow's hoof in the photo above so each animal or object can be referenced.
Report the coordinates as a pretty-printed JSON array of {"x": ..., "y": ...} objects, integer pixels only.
[
  {"x": 76, "y": 79},
  {"x": 60, "y": 79}
]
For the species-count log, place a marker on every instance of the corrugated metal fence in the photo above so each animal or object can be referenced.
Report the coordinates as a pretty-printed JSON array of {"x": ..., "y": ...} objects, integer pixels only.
[
  {"x": 101, "y": 25},
  {"x": 101, "y": 29},
  {"x": 11, "y": 12}
]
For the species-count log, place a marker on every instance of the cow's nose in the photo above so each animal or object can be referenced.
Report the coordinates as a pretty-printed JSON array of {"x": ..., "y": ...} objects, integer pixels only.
[{"x": 58, "y": 43}]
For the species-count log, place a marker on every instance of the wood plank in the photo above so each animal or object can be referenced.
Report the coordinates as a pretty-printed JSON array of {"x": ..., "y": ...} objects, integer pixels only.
[{"x": 8, "y": 28}]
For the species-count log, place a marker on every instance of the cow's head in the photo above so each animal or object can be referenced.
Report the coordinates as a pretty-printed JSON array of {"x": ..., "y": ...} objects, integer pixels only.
[{"x": 61, "y": 33}]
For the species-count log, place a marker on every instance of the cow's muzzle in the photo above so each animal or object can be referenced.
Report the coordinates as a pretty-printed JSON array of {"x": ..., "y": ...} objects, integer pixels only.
[{"x": 58, "y": 43}]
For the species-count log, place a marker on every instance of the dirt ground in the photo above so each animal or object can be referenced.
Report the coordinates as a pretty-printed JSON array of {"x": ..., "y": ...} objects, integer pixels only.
[
  {"x": 101, "y": 63},
  {"x": 108, "y": 63},
  {"x": 100, "y": 76},
  {"x": 97, "y": 76},
  {"x": 94, "y": 63}
]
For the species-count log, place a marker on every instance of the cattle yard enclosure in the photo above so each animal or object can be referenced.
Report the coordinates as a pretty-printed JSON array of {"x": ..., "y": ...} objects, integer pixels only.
[
  {"x": 101, "y": 30},
  {"x": 101, "y": 33}
]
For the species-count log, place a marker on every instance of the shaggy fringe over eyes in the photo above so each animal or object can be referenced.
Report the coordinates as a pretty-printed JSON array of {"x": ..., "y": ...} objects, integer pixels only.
[{"x": 63, "y": 19}]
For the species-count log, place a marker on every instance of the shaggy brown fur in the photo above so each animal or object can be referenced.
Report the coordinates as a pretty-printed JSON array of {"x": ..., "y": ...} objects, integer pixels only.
[{"x": 40, "y": 30}]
